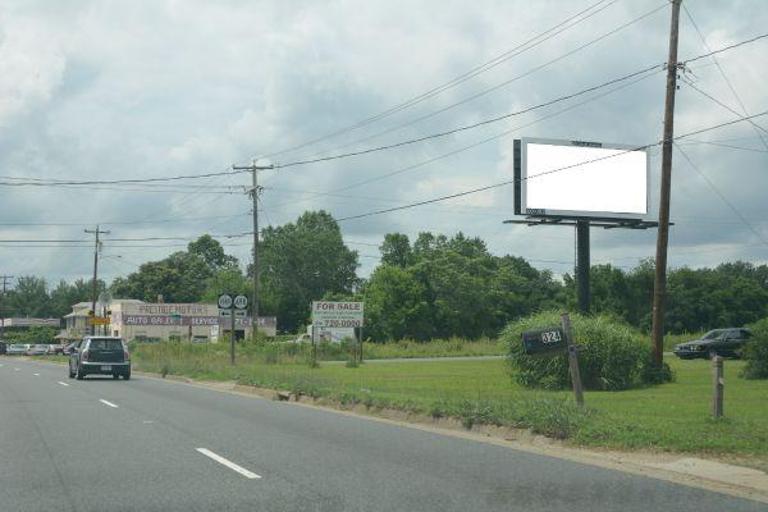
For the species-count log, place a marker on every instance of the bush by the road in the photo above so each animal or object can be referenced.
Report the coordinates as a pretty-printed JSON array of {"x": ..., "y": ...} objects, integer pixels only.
[
  {"x": 756, "y": 352},
  {"x": 613, "y": 355}
]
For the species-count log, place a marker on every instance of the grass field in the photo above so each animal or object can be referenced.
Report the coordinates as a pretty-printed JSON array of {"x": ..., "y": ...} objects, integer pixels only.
[{"x": 672, "y": 416}]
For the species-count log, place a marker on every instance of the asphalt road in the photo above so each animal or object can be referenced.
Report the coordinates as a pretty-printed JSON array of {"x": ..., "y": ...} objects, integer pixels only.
[{"x": 151, "y": 445}]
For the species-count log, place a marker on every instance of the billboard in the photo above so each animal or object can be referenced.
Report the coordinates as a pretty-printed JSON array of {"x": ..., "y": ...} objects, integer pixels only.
[{"x": 561, "y": 178}]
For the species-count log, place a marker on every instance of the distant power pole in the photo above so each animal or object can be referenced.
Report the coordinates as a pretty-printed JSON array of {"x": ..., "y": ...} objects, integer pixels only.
[
  {"x": 2, "y": 299},
  {"x": 94, "y": 289},
  {"x": 254, "y": 193},
  {"x": 662, "y": 240}
]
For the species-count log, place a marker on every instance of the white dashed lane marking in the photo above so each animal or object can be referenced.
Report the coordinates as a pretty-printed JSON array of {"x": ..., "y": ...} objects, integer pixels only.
[
  {"x": 228, "y": 463},
  {"x": 63, "y": 383},
  {"x": 105, "y": 402}
]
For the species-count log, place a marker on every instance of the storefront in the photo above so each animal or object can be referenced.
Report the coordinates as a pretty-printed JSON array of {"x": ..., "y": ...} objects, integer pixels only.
[{"x": 142, "y": 321}]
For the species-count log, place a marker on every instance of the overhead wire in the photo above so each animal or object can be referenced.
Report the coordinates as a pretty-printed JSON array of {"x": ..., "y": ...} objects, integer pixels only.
[
  {"x": 723, "y": 74},
  {"x": 722, "y": 197},
  {"x": 506, "y": 82},
  {"x": 509, "y": 54},
  {"x": 551, "y": 171}
]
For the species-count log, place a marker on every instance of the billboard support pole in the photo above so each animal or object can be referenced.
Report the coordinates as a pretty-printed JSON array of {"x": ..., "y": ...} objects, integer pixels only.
[
  {"x": 573, "y": 360},
  {"x": 662, "y": 239},
  {"x": 582, "y": 265}
]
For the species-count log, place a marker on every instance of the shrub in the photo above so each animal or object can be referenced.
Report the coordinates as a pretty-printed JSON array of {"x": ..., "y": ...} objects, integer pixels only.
[
  {"x": 756, "y": 352},
  {"x": 614, "y": 356}
]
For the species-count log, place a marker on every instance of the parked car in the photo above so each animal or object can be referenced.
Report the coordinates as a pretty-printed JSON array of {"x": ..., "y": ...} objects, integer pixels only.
[
  {"x": 37, "y": 350},
  {"x": 54, "y": 349},
  {"x": 100, "y": 355},
  {"x": 721, "y": 342},
  {"x": 18, "y": 349}
]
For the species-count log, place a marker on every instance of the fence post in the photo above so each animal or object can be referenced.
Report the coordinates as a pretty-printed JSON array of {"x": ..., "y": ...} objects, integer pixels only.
[{"x": 718, "y": 384}]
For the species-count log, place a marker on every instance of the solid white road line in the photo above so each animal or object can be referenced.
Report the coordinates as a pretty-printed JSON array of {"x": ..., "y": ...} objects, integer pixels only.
[
  {"x": 231, "y": 465},
  {"x": 105, "y": 402},
  {"x": 63, "y": 383}
]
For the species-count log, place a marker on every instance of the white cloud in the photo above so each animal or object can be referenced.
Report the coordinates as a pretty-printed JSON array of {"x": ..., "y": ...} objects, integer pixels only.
[{"x": 150, "y": 88}]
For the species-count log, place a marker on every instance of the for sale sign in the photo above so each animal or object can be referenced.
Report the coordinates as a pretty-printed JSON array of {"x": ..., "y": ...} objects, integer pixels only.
[{"x": 335, "y": 315}]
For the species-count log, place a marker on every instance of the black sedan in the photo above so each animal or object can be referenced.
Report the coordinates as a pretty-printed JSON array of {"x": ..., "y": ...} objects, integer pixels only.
[{"x": 720, "y": 342}]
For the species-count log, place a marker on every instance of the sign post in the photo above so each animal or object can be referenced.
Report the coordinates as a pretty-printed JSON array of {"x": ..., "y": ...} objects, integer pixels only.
[
  {"x": 226, "y": 304},
  {"x": 573, "y": 360}
]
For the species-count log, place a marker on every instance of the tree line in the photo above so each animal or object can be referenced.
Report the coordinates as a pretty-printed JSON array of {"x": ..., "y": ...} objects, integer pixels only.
[{"x": 432, "y": 286}]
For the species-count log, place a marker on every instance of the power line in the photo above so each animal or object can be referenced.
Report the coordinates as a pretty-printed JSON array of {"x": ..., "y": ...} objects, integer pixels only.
[
  {"x": 722, "y": 73},
  {"x": 722, "y": 196},
  {"x": 142, "y": 239},
  {"x": 473, "y": 125},
  {"x": 507, "y": 82},
  {"x": 518, "y": 112},
  {"x": 509, "y": 54},
  {"x": 551, "y": 171},
  {"x": 492, "y": 138},
  {"x": 756, "y": 126},
  {"x": 729, "y": 146},
  {"x": 123, "y": 223},
  {"x": 42, "y": 181}
]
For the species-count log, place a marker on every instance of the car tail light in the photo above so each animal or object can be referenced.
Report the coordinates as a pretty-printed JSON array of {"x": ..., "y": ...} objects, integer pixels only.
[
  {"x": 126, "y": 355},
  {"x": 85, "y": 355}
]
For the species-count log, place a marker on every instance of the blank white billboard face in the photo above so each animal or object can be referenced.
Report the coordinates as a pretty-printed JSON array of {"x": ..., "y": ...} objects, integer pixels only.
[{"x": 564, "y": 178}]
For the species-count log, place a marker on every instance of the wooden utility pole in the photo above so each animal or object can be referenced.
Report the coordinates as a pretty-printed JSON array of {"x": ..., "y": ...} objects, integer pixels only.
[
  {"x": 254, "y": 193},
  {"x": 2, "y": 300},
  {"x": 95, "y": 288},
  {"x": 662, "y": 239}
]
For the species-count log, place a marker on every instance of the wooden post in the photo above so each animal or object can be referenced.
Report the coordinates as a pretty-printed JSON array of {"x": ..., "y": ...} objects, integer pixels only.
[
  {"x": 360, "y": 342},
  {"x": 573, "y": 360},
  {"x": 232, "y": 339},
  {"x": 717, "y": 386},
  {"x": 314, "y": 346}
]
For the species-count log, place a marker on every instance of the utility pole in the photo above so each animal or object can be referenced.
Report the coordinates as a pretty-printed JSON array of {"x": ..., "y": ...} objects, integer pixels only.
[
  {"x": 254, "y": 193},
  {"x": 94, "y": 289},
  {"x": 2, "y": 300},
  {"x": 662, "y": 240}
]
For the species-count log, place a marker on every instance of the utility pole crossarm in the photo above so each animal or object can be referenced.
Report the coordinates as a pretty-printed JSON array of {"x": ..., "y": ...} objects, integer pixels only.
[{"x": 254, "y": 193}]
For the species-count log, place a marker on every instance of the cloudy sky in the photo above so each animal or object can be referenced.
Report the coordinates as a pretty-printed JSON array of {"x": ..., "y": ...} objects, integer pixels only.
[{"x": 107, "y": 90}]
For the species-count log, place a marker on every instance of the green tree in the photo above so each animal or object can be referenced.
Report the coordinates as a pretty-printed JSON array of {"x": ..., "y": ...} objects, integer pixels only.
[
  {"x": 302, "y": 262},
  {"x": 395, "y": 305},
  {"x": 29, "y": 298},
  {"x": 212, "y": 253},
  {"x": 181, "y": 277},
  {"x": 396, "y": 250},
  {"x": 230, "y": 280},
  {"x": 65, "y": 295}
]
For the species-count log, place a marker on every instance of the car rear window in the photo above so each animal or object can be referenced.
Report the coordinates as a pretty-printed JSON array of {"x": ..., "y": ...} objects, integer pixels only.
[{"x": 111, "y": 345}]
